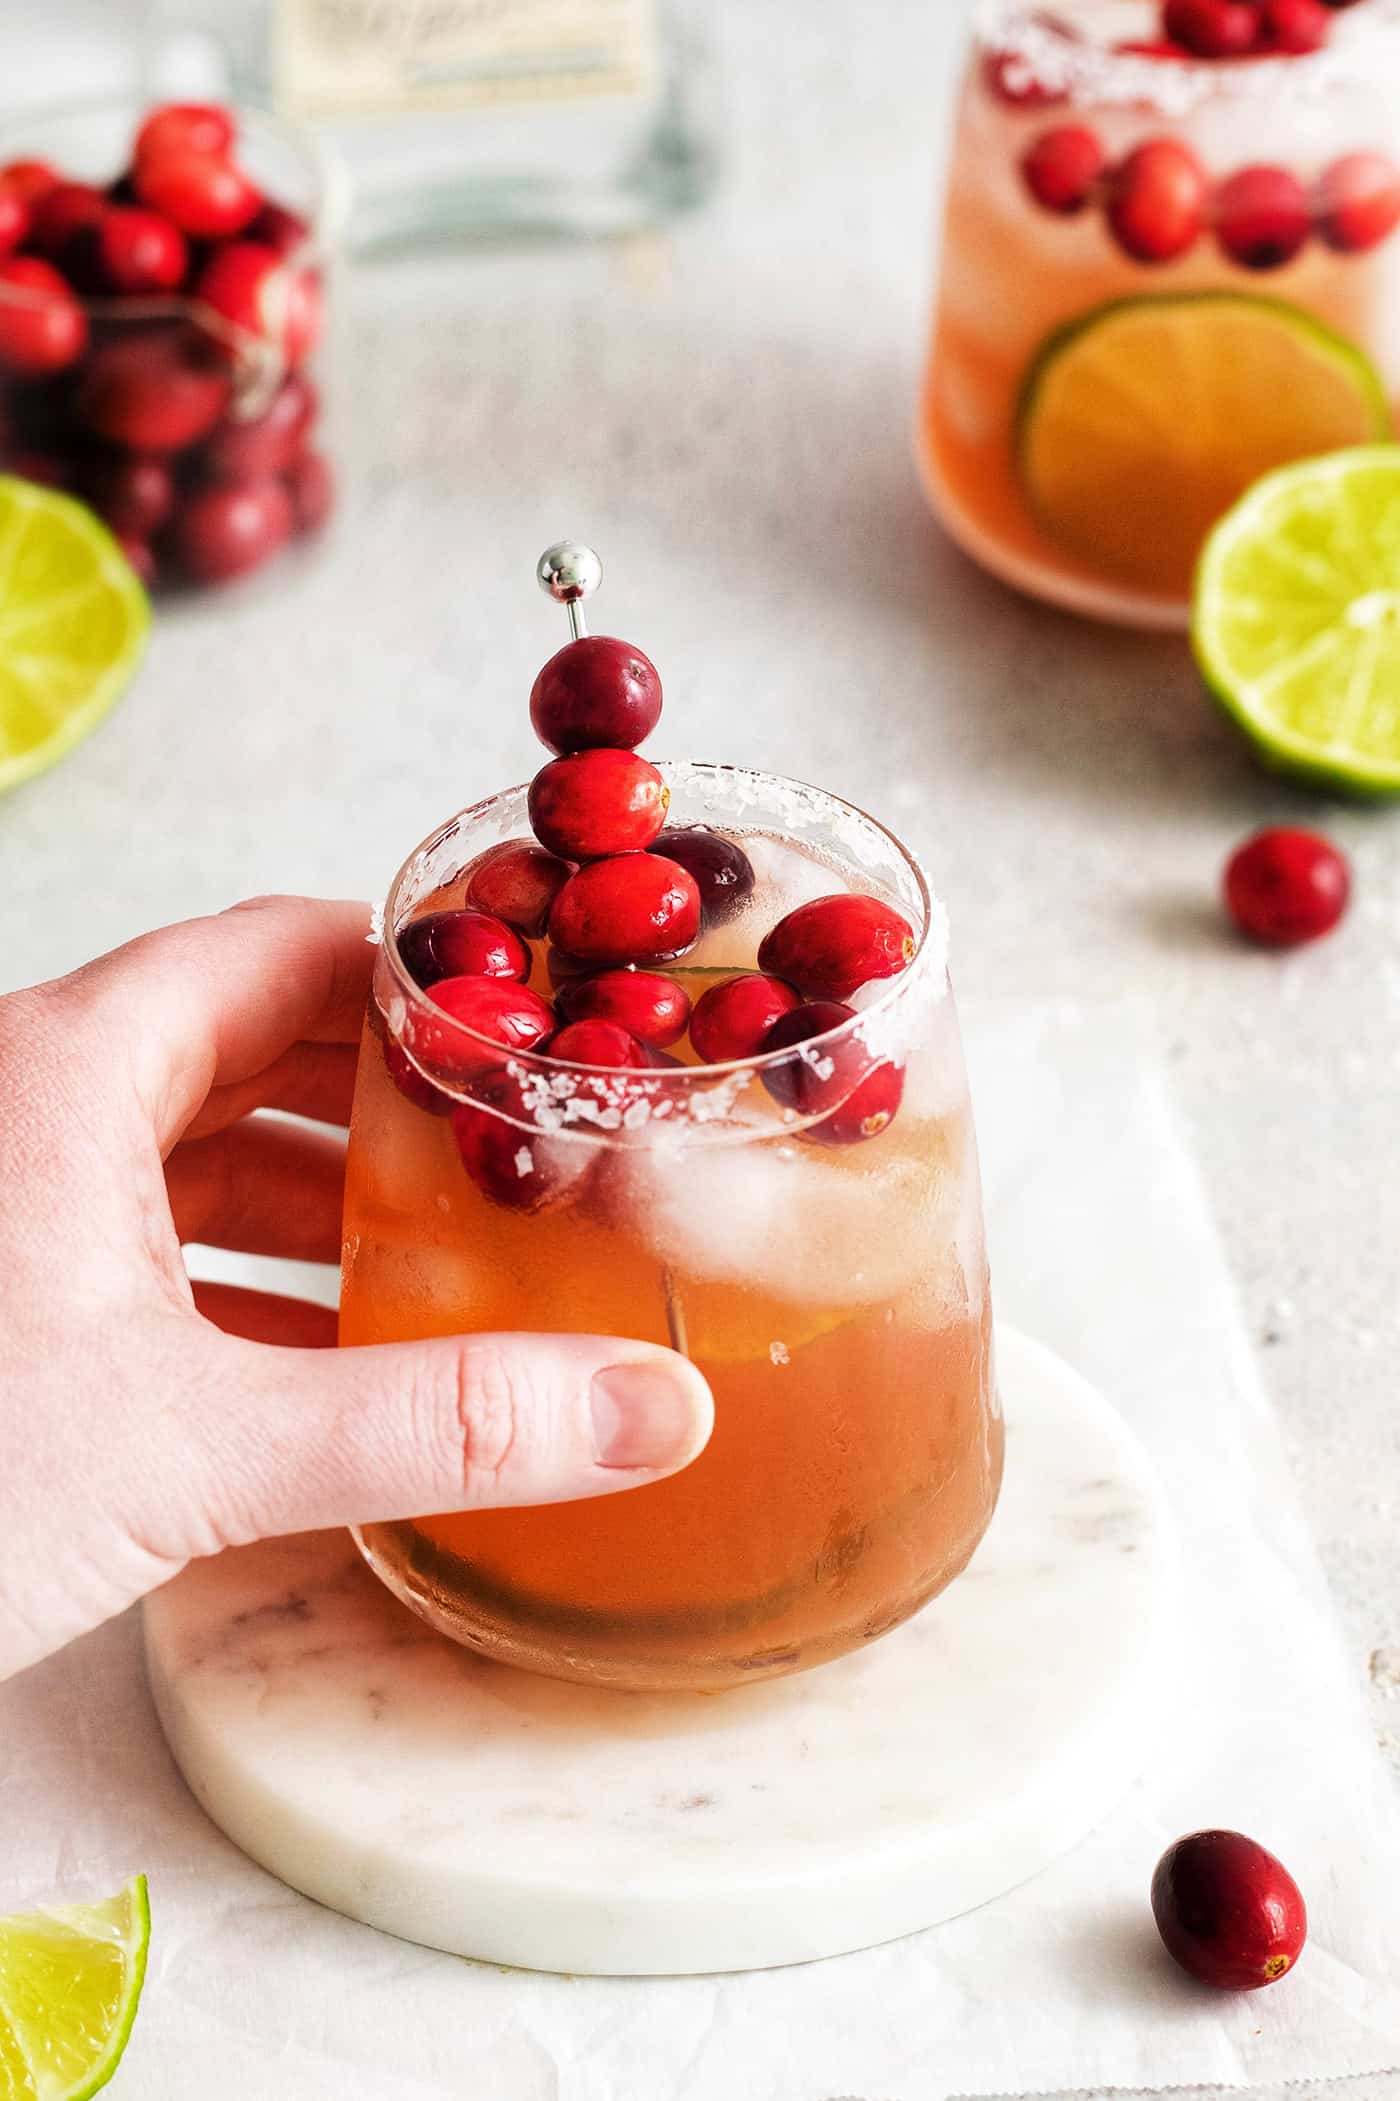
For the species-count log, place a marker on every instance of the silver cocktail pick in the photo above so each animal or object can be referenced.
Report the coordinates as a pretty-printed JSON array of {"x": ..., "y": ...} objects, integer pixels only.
[{"x": 568, "y": 572}]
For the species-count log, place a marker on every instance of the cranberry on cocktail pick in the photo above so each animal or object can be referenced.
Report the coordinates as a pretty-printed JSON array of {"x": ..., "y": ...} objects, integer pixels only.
[
  {"x": 1227, "y": 1911},
  {"x": 1061, "y": 167},
  {"x": 596, "y": 692},
  {"x": 593, "y": 803},
  {"x": 1157, "y": 201},
  {"x": 1263, "y": 216}
]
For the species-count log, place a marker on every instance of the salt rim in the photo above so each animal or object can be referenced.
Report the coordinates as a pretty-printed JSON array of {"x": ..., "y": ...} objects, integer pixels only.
[{"x": 1088, "y": 74}]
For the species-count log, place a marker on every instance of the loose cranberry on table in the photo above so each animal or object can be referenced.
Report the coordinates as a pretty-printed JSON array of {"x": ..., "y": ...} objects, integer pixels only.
[
  {"x": 596, "y": 692},
  {"x": 593, "y": 803},
  {"x": 185, "y": 127},
  {"x": 202, "y": 193},
  {"x": 1157, "y": 201},
  {"x": 519, "y": 882},
  {"x": 1212, "y": 28},
  {"x": 250, "y": 285},
  {"x": 732, "y": 1019},
  {"x": 461, "y": 944},
  {"x": 42, "y": 326},
  {"x": 649, "y": 1006},
  {"x": 598, "y": 1043},
  {"x": 831, "y": 946},
  {"x": 1358, "y": 202},
  {"x": 722, "y": 870},
  {"x": 1228, "y": 1911},
  {"x": 156, "y": 391},
  {"x": 1062, "y": 166},
  {"x": 1262, "y": 217},
  {"x": 1286, "y": 886},
  {"x": 138, "y": 251},
  {"x": 866, "y": 1095},
  {"x": 231, "y": 528},
  {"x": 633, "y": 908}
]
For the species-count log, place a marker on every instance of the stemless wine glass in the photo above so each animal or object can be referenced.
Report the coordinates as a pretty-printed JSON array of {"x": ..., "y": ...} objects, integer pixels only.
[
  {"x": 805, "y": 1225},
  {"x": 1162, "y": 276}
]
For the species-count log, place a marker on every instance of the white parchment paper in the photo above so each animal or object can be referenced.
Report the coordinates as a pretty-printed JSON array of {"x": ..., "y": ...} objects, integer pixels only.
[{"x": 1103, "y": 1247}]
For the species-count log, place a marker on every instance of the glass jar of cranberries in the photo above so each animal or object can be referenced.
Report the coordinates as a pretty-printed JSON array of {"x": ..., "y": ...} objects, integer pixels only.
[{"x": 162, "y": 307}]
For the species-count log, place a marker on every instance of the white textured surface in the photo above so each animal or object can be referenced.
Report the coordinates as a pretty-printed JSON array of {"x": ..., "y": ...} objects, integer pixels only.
[{"x": 454, "y": 1801}]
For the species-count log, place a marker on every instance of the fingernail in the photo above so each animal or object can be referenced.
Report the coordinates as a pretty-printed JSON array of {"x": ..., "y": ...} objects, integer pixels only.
[{"x": 646, "y": 1414}]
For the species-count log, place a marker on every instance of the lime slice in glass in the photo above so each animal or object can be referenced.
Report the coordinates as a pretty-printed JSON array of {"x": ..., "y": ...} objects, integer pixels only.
[
  {"x": 73, "y": 621},
  {"x": 1297, "y": 618},
  {"x": 70, "y": 1983},
  {"x": 1141, "y": 423}
]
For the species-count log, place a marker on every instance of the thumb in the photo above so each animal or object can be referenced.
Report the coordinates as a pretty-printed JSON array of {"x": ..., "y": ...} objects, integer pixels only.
[{"x": 309, "y": 1438}]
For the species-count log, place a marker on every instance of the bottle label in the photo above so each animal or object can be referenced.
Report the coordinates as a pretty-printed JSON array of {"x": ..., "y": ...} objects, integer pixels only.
[{"x": 397, "y": 57}]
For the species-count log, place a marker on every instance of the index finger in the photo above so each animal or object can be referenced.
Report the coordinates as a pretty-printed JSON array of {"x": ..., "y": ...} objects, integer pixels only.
[{"x": 210, "y": 1002}]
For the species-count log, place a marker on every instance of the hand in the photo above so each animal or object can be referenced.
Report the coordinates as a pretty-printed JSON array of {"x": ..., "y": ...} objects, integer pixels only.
[{"x": 143, "y": 1421}]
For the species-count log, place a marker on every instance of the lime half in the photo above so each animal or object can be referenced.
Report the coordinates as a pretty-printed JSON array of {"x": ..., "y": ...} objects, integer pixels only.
[
  {"x": 1142, "y": 422},
  {"x": 1297, "y": 618},
  {"x": 73, "y": 621},
  {"x": 70, "y": 1983}
]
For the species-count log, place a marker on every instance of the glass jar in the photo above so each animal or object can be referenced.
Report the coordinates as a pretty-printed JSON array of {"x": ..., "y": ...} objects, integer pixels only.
[
  {"x": 171, "y": 379},
  {"x": 806, "y": 1226},
  {"x": 1161, "y": 277}
]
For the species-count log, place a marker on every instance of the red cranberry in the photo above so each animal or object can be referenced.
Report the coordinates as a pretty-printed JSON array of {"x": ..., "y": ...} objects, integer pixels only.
[
  {"x": 653, "y": 1008},
  {"x": 244, "y": 451},
  {"x": 42, "y": 326},
  {"x": 599, "y": 1043},
  {"x": 15, "y": 217},
  {"x": 1295, "y": 27},
  {"x": 63, "y": 215},
  {"x": 722, "y": 870},
  {"x": 184, "y": 127},
  {"x": 1227, "y": 1911},
  {"x": 1062, "y": 166},
  {"x": 42, "y": 467},
  {"x": 596, "y": 692},
  {"x": 250, "y": 286},
  {"x": 138, "y": 251},
  {"x": 461, "y": 945},
  {"x": 865, "y": 1095},
  {"x": 1262, "y": 217},
  {"x": 1157, "y": 201},
  {"x": 204, "y": 194},
  {"x": 157, "y": 391},
  {"x": 512, "y": 1163},
  {"x": 1212, "y": 28},
  {"x": 1161, "y": 47},
  {"x": 231, "y": 528},
  {"x": 413, "y": 1085},
  {"x": 311, "y": 485},
  {"x": 32, "y": 179},
  {"x": 277, "y": 227},
  {"x": 594, "y": 803},
  {"x": 139, "y": 555},
  {"x": 868, "y": 1109},
  {"x": 1286, "y": 886},
  {"x": 1358, "y": 202},
  {"x": 832, "y": 946},
  {"x": 501, "y": 1010},
  {"x": 634, "y": 908},
  {"x": 135, "y": 496},
  {"x": 732, "y": 1019},
  {"x": 519, "y": 882}
]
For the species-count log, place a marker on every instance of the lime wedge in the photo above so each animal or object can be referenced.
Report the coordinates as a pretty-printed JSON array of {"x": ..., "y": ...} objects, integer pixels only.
[
  {"x": 73, "y": 621},
  {"x": 1143, "y": 422},
  {"x": 1297, "y": 618},
  {"x": 70, "y": 1983}
]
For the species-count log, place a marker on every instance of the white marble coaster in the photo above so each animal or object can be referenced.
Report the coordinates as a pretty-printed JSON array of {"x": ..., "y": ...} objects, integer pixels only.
[{"x": 397, "y": 1778}]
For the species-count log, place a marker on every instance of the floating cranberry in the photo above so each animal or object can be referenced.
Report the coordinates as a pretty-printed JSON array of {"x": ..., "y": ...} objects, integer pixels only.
[
  {"x": 136, "y": 496},
  {"x": 634, "y": 908},
  {"x": 63, "y": 215},
  {"x": 139, "y": 555},
  {"x": 231, "y": 528},
  {"x": 596, "y": 692},
  {"x": 722, "y": 870},
  {"x": 593, "y": 803},
  {"x": 277, "y": 227},
  {"x": 866, "y": 1095},
  {"x": 242, "y": 451},
  {"x": 158, "y": 391},
  {"x": 1061, "y": 167},
  {"x": 1285, "y": 886},
  {"x": 510, "y": 1161},
  {"x": 250, "y": 286},
  {"x": 500, "y": 1010},
  {"x": 832, "y": 946},
  {"x": 31, "y": 179},
  {"x": 1227, "y": 1911},
  {"x": 461, "y": 945},
  {"x": 732, "y": 1019},
  {"x": 1358, "y": 202},
  {"x": 138, "y": 251},
  {"x": 42, "y": 326},
  {"x": 1212, "y": 28},
  {"x": 311, "y": 485},
  {"x": 1262, "y": 217},
  {"x": 519, "y": 882},
  {"x": 653, "y": 1008},
  {"x": 1157, "y": 201},
  {"x": 185, "y": 127},
  {"x": 204, "y": 194},
  {"x": 602, "y": 1043},
  {"x": 868, "y": 1109},
  {"x": 1295, "y": 27},
  {"x": 15, "y": 217}
]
